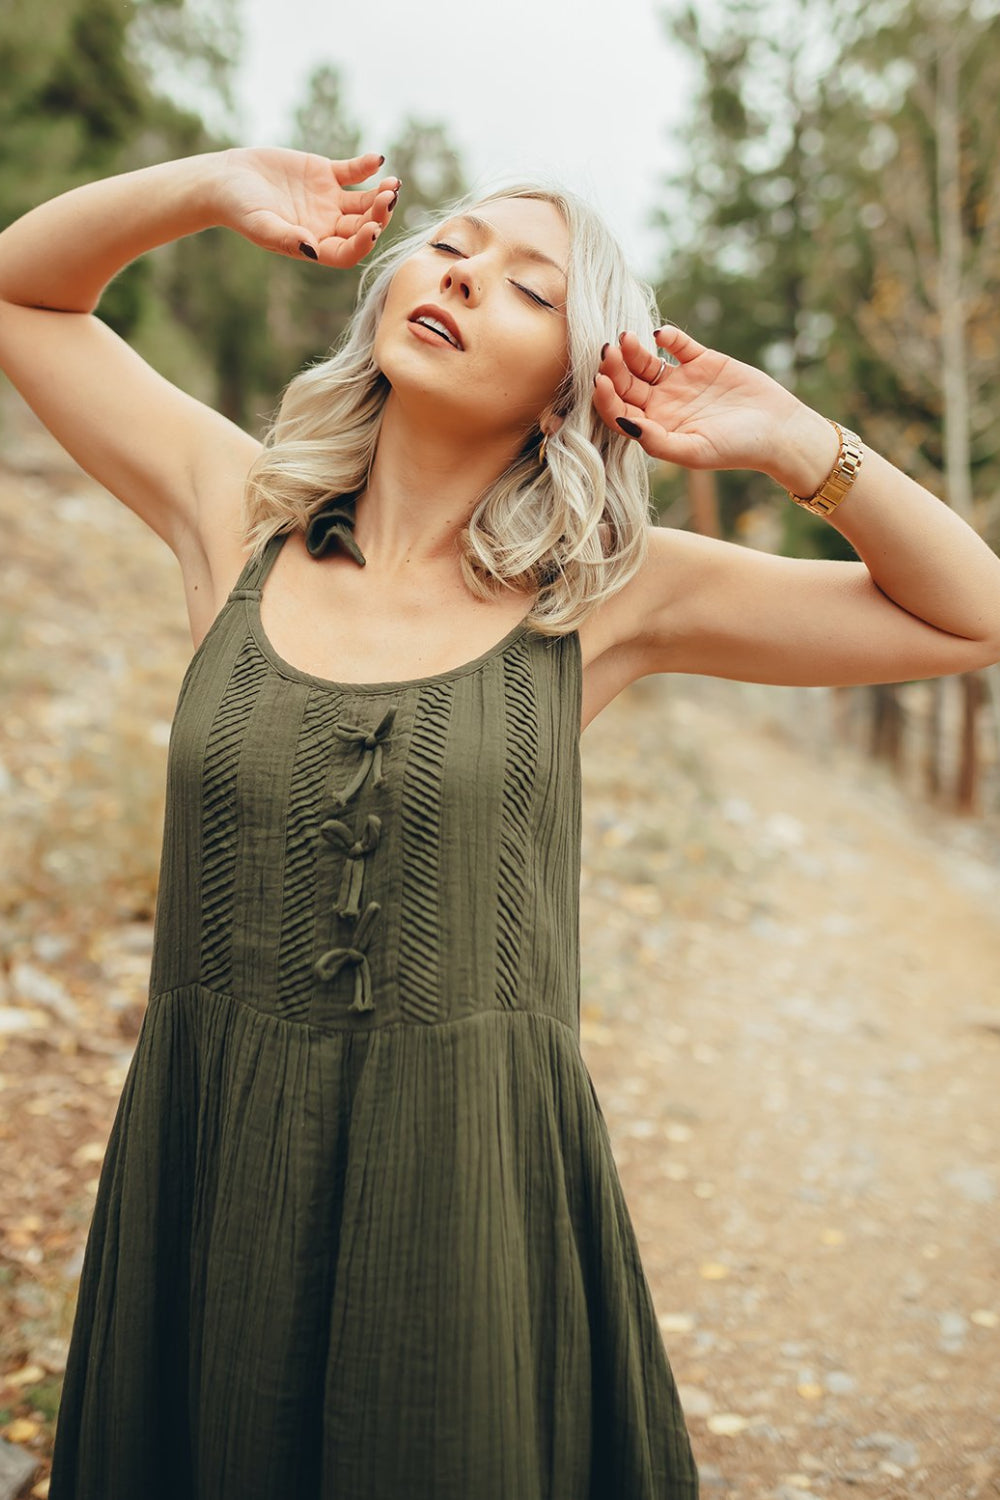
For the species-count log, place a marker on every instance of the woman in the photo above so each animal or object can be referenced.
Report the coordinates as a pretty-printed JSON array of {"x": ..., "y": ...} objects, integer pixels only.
[{"x": 359, "y": 1231}]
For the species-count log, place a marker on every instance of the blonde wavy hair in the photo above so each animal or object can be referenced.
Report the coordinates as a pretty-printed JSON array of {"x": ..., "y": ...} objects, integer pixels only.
[{"x": 572, "y": 528}]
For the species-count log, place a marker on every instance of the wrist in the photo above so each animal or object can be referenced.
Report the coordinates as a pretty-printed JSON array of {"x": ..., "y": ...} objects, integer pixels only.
[
  {"x": 196, "y": 188},
  {"x": 805, "y": 452}
]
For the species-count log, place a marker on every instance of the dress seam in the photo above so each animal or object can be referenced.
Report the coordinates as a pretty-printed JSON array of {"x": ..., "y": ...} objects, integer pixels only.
[{"x": 498, "y": 1010}]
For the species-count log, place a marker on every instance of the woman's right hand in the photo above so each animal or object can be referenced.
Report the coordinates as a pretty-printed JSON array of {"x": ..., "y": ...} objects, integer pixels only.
[{"x": 298, "y": 204}]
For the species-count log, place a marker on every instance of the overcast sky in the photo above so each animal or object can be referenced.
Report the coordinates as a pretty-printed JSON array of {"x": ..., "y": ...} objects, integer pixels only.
[{"x": 582, "y": 90}]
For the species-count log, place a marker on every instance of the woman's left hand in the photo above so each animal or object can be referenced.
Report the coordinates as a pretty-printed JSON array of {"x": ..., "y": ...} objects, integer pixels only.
[{"x": 709, "y": 411}]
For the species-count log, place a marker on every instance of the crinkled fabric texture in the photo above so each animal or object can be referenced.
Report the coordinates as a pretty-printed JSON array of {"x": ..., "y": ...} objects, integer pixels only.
[{"x": 359, "y": 1233}]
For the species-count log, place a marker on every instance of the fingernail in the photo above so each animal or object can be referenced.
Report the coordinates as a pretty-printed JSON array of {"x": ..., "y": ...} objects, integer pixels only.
[
  {"x": 381, "y": 161},
  {"x": 604, "y": 351},
  {"x": 596, "y": 378},
  {"x": 656, "y": 331},
  {"x": 308, "y": 250},
  {"x": 375, "y": 234},
  {"x": 395, "y": 200},
  {"x": 631, "y": 428},
  {"x": 620, "y": 337}
]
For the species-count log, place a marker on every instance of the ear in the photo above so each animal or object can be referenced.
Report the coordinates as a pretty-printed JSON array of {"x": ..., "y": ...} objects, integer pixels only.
[{"x": 550, "y": 422}]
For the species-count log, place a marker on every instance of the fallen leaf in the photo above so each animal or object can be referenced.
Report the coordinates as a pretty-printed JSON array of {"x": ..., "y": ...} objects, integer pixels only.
[
  {"x": 26, "y": 1375},
  {"x": 21, "y": 1430}
]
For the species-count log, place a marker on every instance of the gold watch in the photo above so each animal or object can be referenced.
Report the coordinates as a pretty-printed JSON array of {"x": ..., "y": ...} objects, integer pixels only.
[{"x": 840, "y": 478}]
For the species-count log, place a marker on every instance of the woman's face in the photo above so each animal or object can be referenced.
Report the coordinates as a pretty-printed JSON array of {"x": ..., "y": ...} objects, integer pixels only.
[{"x": 474, "y": 325}]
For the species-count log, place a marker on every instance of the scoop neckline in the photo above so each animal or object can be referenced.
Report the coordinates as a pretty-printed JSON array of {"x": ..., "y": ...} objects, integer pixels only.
[{"x": 299, "y": 674}]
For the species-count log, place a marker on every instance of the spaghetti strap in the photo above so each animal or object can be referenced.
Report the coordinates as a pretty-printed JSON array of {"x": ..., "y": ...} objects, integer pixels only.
[{"x": 255, "y": 570}]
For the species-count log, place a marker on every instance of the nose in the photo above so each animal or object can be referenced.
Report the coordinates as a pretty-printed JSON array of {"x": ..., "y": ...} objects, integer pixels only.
[{"x": 462, "y": 278}]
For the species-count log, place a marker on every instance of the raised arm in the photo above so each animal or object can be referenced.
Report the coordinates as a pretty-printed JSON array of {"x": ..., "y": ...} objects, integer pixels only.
[
  {"x": 923, "y": 602},
  {"x": 178, "y": 464}
]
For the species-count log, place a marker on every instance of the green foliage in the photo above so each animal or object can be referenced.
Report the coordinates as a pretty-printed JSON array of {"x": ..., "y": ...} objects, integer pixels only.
[
  {"x": 801, "y": 228},
  {"x": 94, "y": 87},
  {"x": 322, "y": 123}
]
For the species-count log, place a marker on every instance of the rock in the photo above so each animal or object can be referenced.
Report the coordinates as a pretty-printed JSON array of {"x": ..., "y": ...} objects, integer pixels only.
[
  {"x": 695, "y": 1401},
  {"x": 676, "y": 1322},
  {"x": 793, "y": 1350},
  {"x": 16, "y": 1468},
  {"x": 897, "y": 1450},
  {"x": 711, "y": 1477},
  {"x": 727, "y": 1424},
  {"x": 14, "y": 1020},
  {"x": 39, "y": 988},
  {"x": 952, "y": 1328},
  {"x": 976, "y": 1184}
]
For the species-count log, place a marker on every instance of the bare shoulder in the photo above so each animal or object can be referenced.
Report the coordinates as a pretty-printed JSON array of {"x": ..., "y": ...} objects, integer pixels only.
[
  {"x": 617, "y": 639},
  {"x": 648, "y": 626}
]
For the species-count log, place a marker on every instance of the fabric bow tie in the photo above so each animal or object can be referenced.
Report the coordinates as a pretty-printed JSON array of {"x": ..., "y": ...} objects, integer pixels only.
[{"x": 333, "y": 526}]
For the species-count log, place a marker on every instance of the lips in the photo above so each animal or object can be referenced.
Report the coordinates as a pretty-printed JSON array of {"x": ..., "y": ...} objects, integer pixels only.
[{"x": 447, "y": 330}]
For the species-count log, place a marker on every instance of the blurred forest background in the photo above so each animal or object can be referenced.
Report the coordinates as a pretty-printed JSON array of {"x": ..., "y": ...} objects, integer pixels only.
[{"x": 831, "y": 211}]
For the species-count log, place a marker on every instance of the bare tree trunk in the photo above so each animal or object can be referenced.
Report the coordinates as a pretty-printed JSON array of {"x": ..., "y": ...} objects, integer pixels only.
[
  {"x": 704, "y": 502},
  {"x": 954, "y": 365},
  {"x": 967, "y": 781},
  {"x": 951, "y": 300},
  {"x": 932, "y": 741},
  {"x": 886, "y": 725}
]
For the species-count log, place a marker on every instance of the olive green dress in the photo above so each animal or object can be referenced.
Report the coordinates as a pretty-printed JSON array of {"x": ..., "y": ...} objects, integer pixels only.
[{"x": 359, "y": 1233}]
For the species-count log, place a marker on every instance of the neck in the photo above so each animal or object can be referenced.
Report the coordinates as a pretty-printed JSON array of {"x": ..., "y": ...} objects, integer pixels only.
[{"x": 425, "y": 483}]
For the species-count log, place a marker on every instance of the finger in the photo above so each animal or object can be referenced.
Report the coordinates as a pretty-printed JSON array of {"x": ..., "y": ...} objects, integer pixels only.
[
  {"x": 366, "y": 199},
  {"x": 678, "y": 343},
  {"x": 356, "y": 168},
  {"x": 346, "y": 251},
  {"x": 686, "y": 449},
  {"x": 610, "y": 407},
  {"x": 272, "y": 232},
  {"x": 674, "y": 448},
  {"x": 639, "y": 361},
  {"x": 379, "y": 212},
  {"x": 615, "y": 367}
]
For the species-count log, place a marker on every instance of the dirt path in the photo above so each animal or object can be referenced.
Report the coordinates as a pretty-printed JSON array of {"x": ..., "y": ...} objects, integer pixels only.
[
  {"x": 792, "y": 1017},
  {"x": 791, "y": 1014}
]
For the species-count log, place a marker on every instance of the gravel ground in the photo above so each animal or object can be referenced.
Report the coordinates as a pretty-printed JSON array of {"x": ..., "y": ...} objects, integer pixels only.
[{"x": 791, "y": 1013}]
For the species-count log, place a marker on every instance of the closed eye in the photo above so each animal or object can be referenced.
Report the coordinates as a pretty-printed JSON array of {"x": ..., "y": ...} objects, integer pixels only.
[
  {"x": 533, "y": 295},
  {"x": 453, "y": 250}
]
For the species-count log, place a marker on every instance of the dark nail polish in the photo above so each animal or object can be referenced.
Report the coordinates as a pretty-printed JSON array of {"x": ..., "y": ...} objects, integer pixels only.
[
  {"x": 631, "y": 428},
  {"x": 395, "y": 200},
  {"x": 381, "y": 161},
  {"x": 656, "y": 331},
  {"x": 604, "y": 351},
  {"x": 621, "y": 337},
  {"x": 596, "y": 378},
  {"x": 308, "y": 250}
]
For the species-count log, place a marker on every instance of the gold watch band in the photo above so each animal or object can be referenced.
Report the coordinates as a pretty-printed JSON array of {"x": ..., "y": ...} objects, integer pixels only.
[{"x": 841, "y": 476}]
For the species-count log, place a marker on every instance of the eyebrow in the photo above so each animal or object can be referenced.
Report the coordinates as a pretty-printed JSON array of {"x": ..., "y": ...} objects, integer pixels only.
[{"x": 523, "y": 252}]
